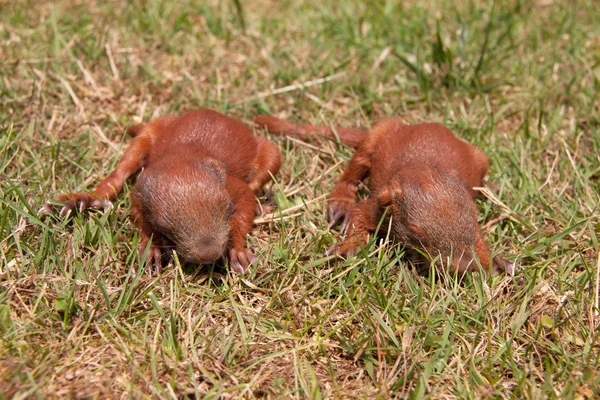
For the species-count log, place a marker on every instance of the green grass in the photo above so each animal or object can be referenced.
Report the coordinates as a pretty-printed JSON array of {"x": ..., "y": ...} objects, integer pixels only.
[{"x": 79, "y": 316}]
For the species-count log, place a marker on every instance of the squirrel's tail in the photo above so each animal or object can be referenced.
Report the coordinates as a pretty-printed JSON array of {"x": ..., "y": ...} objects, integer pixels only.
[{"x": 349, "y": 136}]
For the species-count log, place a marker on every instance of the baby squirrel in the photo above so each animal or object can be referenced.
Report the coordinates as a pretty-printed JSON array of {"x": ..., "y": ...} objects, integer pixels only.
[
  {"x": 195, "y": 191},
  {"x": 422, "y": 176}
]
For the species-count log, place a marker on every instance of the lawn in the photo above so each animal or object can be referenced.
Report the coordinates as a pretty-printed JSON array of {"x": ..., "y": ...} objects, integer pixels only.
[{"x": 80, "y": 316}]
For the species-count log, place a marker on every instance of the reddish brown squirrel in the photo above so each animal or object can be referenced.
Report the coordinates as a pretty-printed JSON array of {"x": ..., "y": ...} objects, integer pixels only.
[
  {"x": 195, "y": 191},
  {"x": 422, "y": 176}
]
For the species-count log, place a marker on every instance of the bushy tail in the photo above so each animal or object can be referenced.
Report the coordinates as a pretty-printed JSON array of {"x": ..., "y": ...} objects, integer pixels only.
[{"x": 348, "y": 136}]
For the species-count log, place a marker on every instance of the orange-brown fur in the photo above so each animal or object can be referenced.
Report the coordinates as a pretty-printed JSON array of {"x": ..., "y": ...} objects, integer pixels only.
[
  {"x": 195, "y": 191},
  {"x": 420, "y": 175}
]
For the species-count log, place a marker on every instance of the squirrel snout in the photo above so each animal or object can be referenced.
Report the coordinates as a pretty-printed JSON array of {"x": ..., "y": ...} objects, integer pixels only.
[
  {"x": 204, "y": 255},
  {"x": 207, "y": 257}
]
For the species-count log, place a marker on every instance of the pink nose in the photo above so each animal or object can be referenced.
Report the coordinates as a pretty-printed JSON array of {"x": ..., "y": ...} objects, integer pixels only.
[{"x": 205, "y": 256}]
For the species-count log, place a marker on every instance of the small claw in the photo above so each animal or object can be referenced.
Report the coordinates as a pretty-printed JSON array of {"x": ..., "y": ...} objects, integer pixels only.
[
  {"x": 332, "y": 250},
  {"x": 64, "y": 211},
  {"x": 345, "y": 224},
  {"x": 237, "y": 268},
  {"x": 330, "y": 224},
  {"x": 331, "y": 211},
  {"x": 75, "y": 201},
  {"x": 334, "y": 219},
  {"x": 82, "y": 204},
  {"x": 68, "y": 207},
  {"x": 339, "y": 209},
  {"x": 251, "y": 257},
  {"x": 239, "y": 260},
  {"x": 45, "y": 209},
  {"x": 335, "y": 211},
  {"x": 153, "y": 260},
  {"x": 157, "y": 255},
  {"x": 242, "y": 259}
]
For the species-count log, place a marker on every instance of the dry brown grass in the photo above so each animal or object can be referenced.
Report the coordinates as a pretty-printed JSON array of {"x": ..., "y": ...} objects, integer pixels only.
[{"x": 80, "y": 318}]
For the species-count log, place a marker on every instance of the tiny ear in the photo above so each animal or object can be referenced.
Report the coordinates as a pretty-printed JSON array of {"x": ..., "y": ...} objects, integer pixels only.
[
  {"x": 215, "y": 167},
  {"x": 135, "y": 130},
  {"x": 388, "y": 194}
]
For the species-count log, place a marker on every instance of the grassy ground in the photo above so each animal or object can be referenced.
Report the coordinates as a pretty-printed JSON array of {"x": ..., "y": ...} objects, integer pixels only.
[{"x": 79, "y": 317}]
